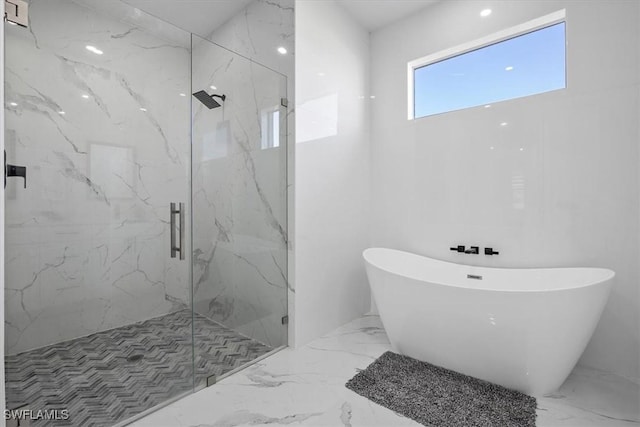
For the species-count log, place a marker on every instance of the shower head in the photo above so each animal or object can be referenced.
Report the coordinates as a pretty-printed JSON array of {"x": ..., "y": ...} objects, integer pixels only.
[{"x": 208, "y": 100}]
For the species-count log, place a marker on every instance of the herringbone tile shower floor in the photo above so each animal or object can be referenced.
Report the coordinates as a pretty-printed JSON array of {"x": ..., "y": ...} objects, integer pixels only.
[{"x": 93, "y": 378}]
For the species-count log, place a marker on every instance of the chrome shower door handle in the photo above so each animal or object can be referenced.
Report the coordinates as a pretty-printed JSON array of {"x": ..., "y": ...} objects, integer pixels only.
[{"x": 180, "y": 229}]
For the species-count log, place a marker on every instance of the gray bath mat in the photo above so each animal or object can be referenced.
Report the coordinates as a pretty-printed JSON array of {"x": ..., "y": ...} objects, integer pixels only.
[{"x": 435, "y": 396}]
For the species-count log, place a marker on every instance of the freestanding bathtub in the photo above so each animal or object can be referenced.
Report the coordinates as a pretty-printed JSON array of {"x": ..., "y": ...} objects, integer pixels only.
[{"x": 521, "y": 328}]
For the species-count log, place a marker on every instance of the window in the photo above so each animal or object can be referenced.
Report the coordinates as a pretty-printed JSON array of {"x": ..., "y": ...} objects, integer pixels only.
[
  {"x": 525, "y": 60},
  {"x": 270, "y": 128}
]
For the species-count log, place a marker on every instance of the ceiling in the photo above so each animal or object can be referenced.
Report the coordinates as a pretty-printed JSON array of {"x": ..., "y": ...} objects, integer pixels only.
[
  {"x": 375, "y": 14},
  {"x": 197, "y": 16}
]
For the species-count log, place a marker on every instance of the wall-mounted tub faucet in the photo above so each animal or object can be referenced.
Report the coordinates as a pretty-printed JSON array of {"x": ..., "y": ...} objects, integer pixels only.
[{"x": 474, "y": 250}]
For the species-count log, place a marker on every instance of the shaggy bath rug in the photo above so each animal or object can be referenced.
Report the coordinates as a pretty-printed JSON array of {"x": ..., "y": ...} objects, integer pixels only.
[{"x": 435, "y": 396}]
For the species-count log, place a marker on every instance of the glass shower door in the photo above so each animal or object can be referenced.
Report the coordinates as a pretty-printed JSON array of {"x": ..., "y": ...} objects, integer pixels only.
[
  {"x": 239, "y": 205},
  {"x": 98, "y": 318}
]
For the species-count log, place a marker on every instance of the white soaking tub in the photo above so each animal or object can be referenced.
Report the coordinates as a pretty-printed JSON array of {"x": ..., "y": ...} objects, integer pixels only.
[{"x": 521, "y": 328}]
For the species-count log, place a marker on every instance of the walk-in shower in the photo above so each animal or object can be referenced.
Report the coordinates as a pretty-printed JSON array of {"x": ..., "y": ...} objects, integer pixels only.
[{"x": 100, "y": 319}]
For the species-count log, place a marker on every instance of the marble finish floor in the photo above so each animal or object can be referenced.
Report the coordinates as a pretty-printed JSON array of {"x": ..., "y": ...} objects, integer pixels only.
[
  {"x": 110, "y": 376},
  {"x": 305, "y": 386}
]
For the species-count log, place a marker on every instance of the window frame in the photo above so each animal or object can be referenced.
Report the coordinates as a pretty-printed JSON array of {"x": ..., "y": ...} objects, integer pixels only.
[
  {"x": 545, "y": 21},
  {"x": 270, "y": 116}
]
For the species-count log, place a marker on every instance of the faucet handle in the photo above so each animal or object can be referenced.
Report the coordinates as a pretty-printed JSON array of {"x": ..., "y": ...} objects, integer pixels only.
[{"x": 459, "y": 248}]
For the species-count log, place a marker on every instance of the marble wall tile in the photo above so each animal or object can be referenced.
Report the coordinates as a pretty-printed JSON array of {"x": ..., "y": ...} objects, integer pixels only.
[
  {"x": 106, "y": 142},
  {"x": 95, "y": 220},
  {"x": 256, "y": 33},
  {"x": 239, "y": 195}
]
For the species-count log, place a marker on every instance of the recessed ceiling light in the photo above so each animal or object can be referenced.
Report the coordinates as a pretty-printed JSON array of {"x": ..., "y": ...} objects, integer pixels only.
[
  {"x": 503, "y": 124},
  {"x": 485, "y": 12},
  {"x": 213, "y": 87},
  {"x": 143, "y": 109},
  {"x": 509, "y": 68},
  {"x": 282, "y": 50},
  {"x": 94, "y": 50},
  {"x": 85, "y": 96},
  {"x": 62, "y": 113},
  {"x": 13, "y": 104},
  {"x": 183, "y": 94},
  {"x": 372, "y": 97}
]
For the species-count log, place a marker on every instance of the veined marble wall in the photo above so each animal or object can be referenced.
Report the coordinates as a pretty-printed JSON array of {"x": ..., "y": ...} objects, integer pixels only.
[
  {"x": 239, "y": 195},
  {"x": 258, "y": 30},
  {"x": 256, "y": 33},
  {"x": 105, "y": 138}
]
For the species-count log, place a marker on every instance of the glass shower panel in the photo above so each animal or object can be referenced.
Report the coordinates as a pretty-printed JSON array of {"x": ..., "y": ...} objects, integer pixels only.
[
  {"x": 239, "y": 199},
  {"x": 97, "y": 109}
]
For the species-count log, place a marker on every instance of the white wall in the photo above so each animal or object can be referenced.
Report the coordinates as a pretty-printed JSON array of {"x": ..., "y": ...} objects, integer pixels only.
[
  {"x": 570, "y": 198},
  {"x": 332, "y": 168}
]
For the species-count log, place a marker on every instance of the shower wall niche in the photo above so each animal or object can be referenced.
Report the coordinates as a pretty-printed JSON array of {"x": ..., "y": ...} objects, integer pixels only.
[{"x": 98, "y": 111}]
